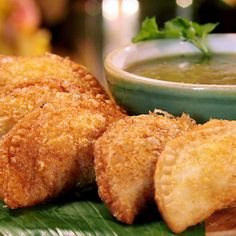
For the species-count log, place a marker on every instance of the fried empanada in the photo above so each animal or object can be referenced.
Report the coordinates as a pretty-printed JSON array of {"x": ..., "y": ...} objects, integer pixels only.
[
  {"x": 20, "y": 102},
  {"x": 125, "y": 160},
  {"x": 47, "y": 152},
  {"x": 46, "y": 70},
  {"x": 196, "y": 174}
]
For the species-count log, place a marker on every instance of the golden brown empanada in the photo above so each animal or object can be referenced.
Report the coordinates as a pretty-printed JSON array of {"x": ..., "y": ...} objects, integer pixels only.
[
  {"x": 47, "y": 152},
  {"x": 46, "y": 70},
  {"x": 125, "y": 160},
  {"x": 196, "y": 174}
]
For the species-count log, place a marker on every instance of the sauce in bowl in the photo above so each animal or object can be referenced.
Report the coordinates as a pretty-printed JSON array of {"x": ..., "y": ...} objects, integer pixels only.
[{"x": 219, "y": 69}]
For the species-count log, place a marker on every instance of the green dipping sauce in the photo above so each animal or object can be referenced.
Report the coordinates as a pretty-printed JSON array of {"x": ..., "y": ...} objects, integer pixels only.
[{"x": 219, "y": 69}]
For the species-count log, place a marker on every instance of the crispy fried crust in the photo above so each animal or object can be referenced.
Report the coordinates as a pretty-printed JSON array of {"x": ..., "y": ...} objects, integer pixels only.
[
  {"x": 125, "y": 160},
  {"x": 48, "y": 151},
  {"x": 46, "y": 70},
  {"x": 20, "y": 102},
  {"x": 195, "y": 174}
]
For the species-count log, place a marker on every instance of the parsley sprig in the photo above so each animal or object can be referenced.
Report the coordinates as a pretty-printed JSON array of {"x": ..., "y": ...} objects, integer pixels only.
[{"x": 178, "y": 27}]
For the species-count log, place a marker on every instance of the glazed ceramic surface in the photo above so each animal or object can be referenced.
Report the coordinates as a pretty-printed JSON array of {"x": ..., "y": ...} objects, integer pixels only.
[{"x": 140, "y": 94}]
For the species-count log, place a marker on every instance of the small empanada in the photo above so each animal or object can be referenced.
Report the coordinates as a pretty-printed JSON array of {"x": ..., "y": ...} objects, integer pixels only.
[
  {"x": 196, "y": 174},
  {"x": 21, "y": 101},
  {"x": 125, "y": 160}
]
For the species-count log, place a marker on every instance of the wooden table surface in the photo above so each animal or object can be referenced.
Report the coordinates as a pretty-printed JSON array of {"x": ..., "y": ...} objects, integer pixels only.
[{"x": 222, "y": 223}]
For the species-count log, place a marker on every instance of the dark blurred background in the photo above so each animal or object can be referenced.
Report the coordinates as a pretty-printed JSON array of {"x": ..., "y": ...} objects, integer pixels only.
[{"x": 86, "y": 30}]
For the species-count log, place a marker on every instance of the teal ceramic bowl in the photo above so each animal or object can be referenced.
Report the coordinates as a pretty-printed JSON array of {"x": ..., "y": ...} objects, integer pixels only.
[{"x": 140, "y": 94}]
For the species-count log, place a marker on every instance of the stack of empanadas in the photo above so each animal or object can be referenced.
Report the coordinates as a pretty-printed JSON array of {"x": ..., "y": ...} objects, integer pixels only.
[{"x": 51, "y": 112}]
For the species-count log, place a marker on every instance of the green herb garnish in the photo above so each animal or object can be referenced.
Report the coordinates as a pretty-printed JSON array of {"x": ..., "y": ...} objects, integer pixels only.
[{"x": 178, "y": 27}]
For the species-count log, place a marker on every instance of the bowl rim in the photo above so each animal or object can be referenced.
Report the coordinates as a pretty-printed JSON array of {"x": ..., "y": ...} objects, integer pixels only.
[{"x": 109, "y": 66}]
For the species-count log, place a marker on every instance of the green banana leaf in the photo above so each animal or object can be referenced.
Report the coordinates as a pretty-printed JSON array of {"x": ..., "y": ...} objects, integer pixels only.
[{"x": 83, "y": 215}]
